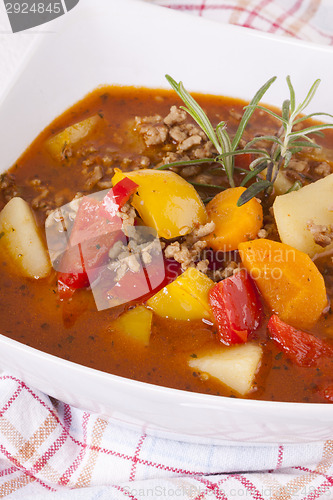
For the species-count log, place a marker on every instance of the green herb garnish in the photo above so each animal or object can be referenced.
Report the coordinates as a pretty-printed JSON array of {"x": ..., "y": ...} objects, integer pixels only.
[
  {"x": 285, "y": 143},
  {"x": 218, "y": 136}
]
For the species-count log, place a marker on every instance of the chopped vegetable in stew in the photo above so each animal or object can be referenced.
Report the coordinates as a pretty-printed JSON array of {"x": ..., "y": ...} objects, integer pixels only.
[{"x": 181, "y": 241}]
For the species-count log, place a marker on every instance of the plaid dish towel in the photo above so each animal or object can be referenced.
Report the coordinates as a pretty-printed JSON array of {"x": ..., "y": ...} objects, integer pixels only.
[
  {"x": 51, "y": 450},
  {"x": 304, "y": 19}
]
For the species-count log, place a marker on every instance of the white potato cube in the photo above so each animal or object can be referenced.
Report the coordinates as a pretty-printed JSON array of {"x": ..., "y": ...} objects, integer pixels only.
[
  {"x": 71, "y": 135},
  {"x": 235, "y": 366},
  {"x": 294, "y": 211},
  {"x": 282, "y": 184},
  {"x": 21, "y": 241}
]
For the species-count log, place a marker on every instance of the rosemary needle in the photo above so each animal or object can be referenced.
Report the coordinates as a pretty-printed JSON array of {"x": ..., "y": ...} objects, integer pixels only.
[
  {"x": 284, "y": 144},
  {"x": 201, "y": 184}
]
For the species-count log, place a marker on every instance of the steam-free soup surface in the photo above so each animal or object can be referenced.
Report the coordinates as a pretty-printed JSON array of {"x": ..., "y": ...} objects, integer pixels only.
[{"x": 31, "y": 311}]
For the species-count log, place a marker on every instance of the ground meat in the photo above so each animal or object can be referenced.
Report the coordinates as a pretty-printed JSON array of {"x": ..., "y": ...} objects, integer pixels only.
[
  {"x": 322, "y": 235},
  {"x": 192, "y": 129},
  {"x": 104, "y": 184},
  {"x": 124, "y": 258},
  {"x": 127, "y": 214},
  {"x": 93, "y": 178},
  {"x": 193, "y": 140},
  {"x": 203, "y": 266},
  {"x": 299, "y": 165},
  {"x": 182, "y": 254},
  {"x": 143, "y": 162},
  {"x": 203, "y": 178},
  {"x": 152, "y": 128},
  {"x": 201, "y": 232},
  {"x": 86, "y": 151},
  {"x": 190, "y": 171},
  {"x": 263, "y": 233},
  {"x": 230, "y": 269},
  {"x": 207, "y": 150},
  {"x": 235, "y": 114},
  {"x": 178, "y": 137},
  {"x": 8, "y": 186},
  {"x": 188, "y": 252},
  {"x": 139, "y": 120},
  {"x": 323, "y": 169},
  {"x": 39, "y": 201},
  {"x": 269, "y": 225},
  {"x": 177, "y": 134},
  {"x": 89, "y": 162},
  {"x": 172, "y": 157},
  {"x": 175, "y": 117},
  {"x": 107, "y": 160},
  {"x": 154, "y": 135}
]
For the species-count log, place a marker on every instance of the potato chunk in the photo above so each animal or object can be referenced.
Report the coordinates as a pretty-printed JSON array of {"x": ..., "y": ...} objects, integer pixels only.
[
  {"x": 21, "y": 240},
  {"x": 282, "y": 184},
  {"x": 71, "y": 135},
  {"x": 294, "y": 211},
  {"x": 135, "y": 324},
  {"x": 235, "y": 367}
]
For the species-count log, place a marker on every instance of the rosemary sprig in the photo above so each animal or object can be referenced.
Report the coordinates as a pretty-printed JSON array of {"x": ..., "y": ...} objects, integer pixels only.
[
  {"x": 219, "y": 136},
  {"x": 185, "y": 163},
  {"x": 287, "y": 142},
  {"x": 284, "y": 144}
]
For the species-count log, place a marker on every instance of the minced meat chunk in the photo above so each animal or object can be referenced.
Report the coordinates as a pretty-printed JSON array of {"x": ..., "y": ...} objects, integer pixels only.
[
  {"x": 322, "y": 235},
  {"x": 323, "y": 169},
  {"x": 177, "y": 134},
  {"x": 154, "y": 135},
  {"x": 193, "y": 140},
  {"x": 175, "y": 116},
  {"x": 188, "y": 252}
]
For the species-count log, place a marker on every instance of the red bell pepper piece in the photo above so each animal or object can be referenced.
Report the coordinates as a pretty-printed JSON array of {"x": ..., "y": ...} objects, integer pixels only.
[
  {"x": 243, "y": 160},
  {"x": 300, "y": 347},
  {"x": 236, "y": 307},
  {"x": 96, "y": 228},
  {"x": 117, "y": 197}
]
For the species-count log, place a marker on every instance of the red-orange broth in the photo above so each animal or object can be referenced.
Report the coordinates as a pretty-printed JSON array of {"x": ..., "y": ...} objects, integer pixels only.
[{"x": 30, "y": 310}]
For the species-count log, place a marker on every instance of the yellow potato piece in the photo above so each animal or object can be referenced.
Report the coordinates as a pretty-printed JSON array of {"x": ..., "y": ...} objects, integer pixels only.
[
  {"x": 21, "y": 240},
  {"x": 186, "y": 298},
  {"x": 136, "y": 324},
  {"x": 71, "y": 135},
  {"x": 281, "y": 184},
  {"x": 293, "y": 212},
  {"x": 166, "y": 202},
  {"x": 235, "y": 367}
]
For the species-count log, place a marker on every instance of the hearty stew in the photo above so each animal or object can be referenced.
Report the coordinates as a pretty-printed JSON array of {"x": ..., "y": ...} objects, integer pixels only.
[{"x": 186, "y": 249}]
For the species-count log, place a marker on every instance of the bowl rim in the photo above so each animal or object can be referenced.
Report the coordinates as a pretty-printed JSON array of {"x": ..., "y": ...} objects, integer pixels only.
[
  {"x": 212, "y": 401},
  {"x": 183, "y": 397}
]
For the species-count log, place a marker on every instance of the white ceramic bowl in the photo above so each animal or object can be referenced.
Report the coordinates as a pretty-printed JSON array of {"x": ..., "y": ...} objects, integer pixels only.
[{"x": 129, "y": 42}]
